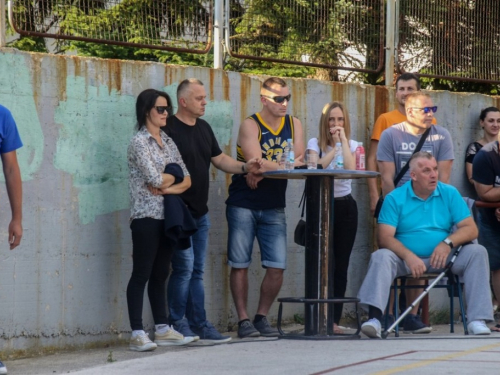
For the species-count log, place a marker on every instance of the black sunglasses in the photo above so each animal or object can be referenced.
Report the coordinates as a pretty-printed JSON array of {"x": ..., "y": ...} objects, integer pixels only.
[
  {"x": 427, "y": 109},
  {"x": 279, "y": 99},
  {"x": 161, "y": 110}
]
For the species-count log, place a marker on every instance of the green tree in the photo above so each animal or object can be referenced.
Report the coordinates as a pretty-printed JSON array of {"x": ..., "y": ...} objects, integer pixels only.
[
  {"x": 180, "y": 24},
  {"x": 456, "y": 38}
]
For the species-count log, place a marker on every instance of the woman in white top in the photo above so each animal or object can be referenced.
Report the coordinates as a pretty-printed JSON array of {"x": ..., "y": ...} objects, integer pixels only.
[{"x": 334, "y": 128}]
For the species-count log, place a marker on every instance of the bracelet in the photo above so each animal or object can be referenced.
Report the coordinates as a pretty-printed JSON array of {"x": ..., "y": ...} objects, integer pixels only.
[{"x": 243, "y": 167}]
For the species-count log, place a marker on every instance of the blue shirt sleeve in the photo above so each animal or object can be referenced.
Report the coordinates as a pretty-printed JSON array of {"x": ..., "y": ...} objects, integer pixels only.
[
  {"x": 389, "y": 214},
  {"x": 9, "y": 136},
  {"x": 458, "y": 208}
]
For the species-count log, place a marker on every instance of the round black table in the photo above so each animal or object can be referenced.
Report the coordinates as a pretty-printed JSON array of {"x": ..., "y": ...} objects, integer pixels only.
[{"x": 318, "y": 300}]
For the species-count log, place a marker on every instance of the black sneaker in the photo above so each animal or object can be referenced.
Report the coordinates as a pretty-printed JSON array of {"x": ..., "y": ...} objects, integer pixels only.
[
  {"x": 246, "y": 329},
  {"x": 413, "y": 324},
  {"x": 265, "y": 328}
]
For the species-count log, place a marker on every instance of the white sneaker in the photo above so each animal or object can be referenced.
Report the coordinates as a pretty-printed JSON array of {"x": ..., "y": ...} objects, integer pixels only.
[
  {"x": 372, "y": 329},
  {"x": 172, "y": 338},
  {"x": 141, "y": 343},
  {"x": 3, "y": 368},
  {"x": 478, "y": 327}
]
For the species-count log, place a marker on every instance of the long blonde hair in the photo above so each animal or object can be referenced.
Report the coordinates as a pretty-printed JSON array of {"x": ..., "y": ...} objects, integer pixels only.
[{"x": 325, "y": 138}]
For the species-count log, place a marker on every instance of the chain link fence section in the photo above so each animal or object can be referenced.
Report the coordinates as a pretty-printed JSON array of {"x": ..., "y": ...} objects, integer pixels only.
[
  {"x": 172, "y": 25},
  {"x": 450, "y": 39},
  {"x": 332, "y": 34}
]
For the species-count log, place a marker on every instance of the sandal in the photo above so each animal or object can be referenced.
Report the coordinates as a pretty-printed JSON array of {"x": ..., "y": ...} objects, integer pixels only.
[{"x": 493, "y": 329}]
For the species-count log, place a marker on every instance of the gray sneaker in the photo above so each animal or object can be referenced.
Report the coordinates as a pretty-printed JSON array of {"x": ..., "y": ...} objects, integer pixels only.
[
  {"x": 209, "y": 334},
  {"x": 265, "y": 328},
  {"x": 182, "y": 326},
  {"x": 246, "y": 329}
]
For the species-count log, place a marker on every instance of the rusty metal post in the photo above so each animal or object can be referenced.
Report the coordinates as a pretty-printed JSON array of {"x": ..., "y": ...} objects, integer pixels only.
[
  {"x": 3, "y": 25},
  {"x": 319, "y": 255}
]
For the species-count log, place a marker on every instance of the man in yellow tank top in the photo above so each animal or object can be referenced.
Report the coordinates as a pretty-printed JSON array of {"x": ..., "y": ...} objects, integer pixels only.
[{"x": 256, "y": 206}]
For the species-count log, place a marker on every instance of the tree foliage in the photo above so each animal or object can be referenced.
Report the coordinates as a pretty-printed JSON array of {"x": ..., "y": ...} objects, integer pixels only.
[
  {"x": 455, "y": 38},
  {"x": 180, "y": 24},
  {"x": 326, "y": 32}
]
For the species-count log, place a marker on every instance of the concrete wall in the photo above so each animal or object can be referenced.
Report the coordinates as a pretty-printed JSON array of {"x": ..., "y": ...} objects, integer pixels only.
[{"x": 65, "y": 285}]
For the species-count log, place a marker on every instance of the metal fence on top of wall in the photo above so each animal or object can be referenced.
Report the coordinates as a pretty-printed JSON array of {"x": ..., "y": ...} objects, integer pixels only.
[
  {"x": 452, "y": 39},
  {"x": 181, "y": 25},
  {"x": 336, "y": 34}
]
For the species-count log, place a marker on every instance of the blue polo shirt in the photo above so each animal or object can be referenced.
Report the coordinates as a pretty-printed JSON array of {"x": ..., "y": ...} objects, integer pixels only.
[
  {"x": 422, "y": 224},
  {"x": 9, "y": 136}
]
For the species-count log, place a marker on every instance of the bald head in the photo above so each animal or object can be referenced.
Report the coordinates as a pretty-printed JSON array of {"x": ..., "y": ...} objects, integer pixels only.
[
  {"x": 185, "y": 86},
  {"x": 414, "y": 98}
]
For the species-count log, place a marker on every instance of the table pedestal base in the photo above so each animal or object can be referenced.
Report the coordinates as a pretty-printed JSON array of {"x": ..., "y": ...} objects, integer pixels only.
[{"x": 310, "y": 304}]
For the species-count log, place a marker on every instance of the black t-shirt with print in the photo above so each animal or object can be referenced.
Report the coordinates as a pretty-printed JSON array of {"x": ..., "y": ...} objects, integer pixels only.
[
  {"x": 486, "y": 171},
  {"x": 197, "y": 145}
]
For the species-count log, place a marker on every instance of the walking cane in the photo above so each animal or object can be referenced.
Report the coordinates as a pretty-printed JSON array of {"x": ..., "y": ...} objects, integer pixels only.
[{"x": 424, "y": 293}]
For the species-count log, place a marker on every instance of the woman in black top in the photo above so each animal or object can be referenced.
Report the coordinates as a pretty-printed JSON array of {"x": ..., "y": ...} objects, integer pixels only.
[{"x": 489, "y": 119}]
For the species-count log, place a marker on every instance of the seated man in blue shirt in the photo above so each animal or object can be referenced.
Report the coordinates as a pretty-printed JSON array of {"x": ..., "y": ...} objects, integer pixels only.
[{"x": 415, "y": 237}]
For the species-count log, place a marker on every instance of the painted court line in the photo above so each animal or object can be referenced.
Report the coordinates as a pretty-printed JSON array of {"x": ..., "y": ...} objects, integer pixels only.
[
  {"x": 437, "y": 359},
  {"x": 362, "y": 362}
]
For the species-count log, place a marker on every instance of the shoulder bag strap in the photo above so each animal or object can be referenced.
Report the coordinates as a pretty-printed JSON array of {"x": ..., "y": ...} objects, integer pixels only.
[
  {"x": 303, "y": 200},
  {"x": 417, "y": 149}
]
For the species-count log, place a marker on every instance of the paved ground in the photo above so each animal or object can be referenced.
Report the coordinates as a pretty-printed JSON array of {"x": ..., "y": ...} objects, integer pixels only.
[{"x": 439, "y": 352}]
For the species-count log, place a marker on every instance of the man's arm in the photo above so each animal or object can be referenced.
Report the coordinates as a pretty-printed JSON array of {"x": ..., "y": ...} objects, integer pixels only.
[
  {"x": 487, "y": 193},
  {"x": 229, "y": 165},
  {"x": 371, "y": 165},
  {"x": 387, "y": 172},
  {"x": 444, "y": 170},
  {"x": 15, "y": 192},
  {"x": 387, "y": 240},
  {"x": 466, "y": 232}
]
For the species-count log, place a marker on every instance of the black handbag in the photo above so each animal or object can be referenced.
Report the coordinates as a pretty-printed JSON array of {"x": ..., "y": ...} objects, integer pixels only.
[
  {"x": 299, "y": 235},
  {"x": 401, "y": 173}
]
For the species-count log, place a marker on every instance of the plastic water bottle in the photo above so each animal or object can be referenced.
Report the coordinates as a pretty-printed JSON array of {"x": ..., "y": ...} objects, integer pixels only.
[
  {"x": 339, "y": 157},
  {"x": 360, "y": 157},
  {"x": 290, "y": 157},
  {"x": 285, "y": 157}
]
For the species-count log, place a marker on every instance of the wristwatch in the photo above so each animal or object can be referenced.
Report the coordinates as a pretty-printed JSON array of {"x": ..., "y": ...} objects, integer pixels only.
[{"x": 448, "y": 242}]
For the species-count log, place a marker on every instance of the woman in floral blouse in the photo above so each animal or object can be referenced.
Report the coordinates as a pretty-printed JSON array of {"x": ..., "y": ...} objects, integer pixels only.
[{"x": 150, "y": 150}]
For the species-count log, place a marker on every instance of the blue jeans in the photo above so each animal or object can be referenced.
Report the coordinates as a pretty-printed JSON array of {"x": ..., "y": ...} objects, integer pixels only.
[
  {"x": 185, "y": 292},
  {"x": 489, "y": 237},
  {"x": 269, "y": 226}
]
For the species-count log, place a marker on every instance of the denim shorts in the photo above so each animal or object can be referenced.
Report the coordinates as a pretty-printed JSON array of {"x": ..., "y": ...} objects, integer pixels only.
[
  {"x": 490, "y": 238},
  {"x": 269, "y": 226}
]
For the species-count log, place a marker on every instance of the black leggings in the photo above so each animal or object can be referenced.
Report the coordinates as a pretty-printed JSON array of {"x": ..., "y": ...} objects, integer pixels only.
[
  {"x": 345, "y": 228},
  {"x": 151, "y": 262}
]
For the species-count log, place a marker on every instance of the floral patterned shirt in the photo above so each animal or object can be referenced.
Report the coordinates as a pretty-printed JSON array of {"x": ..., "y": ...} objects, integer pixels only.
[{"x": 146, "y": 162}]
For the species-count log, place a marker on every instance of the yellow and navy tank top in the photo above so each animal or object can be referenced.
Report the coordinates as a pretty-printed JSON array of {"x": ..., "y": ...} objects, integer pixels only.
[{"x": 270, "y": 193}]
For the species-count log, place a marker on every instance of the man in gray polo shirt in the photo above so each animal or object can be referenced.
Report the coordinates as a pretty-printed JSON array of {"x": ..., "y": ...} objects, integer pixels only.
[{"x": 395, "y": 149}]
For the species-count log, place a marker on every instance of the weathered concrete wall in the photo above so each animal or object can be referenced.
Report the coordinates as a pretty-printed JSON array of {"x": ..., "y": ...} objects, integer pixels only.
[{"x": 65, "y": 285}]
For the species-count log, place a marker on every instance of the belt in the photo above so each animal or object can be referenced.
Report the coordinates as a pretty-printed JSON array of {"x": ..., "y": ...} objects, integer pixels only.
[{"x": 344, "y": 198}]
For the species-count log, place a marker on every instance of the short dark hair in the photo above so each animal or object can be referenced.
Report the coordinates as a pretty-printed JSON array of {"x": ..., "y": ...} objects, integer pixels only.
[
  {"x": 185, "y": 84},
  {"x": 408, "y": 77},
  {"x": 485, "y": 112},
  {"x": 145, "y": 102},
  {"x": 273, "y": 81}
]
